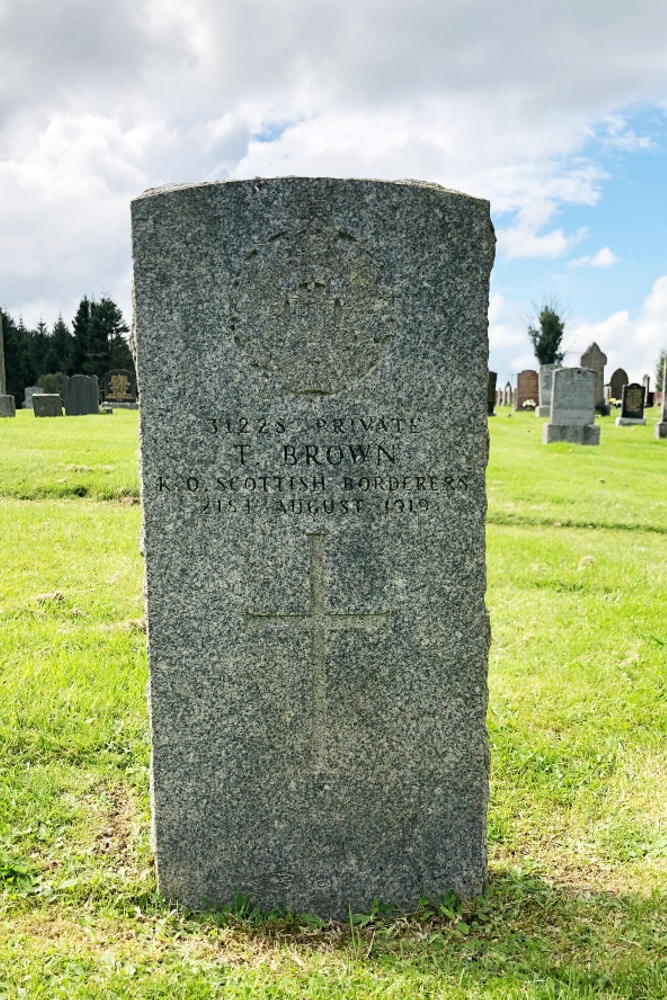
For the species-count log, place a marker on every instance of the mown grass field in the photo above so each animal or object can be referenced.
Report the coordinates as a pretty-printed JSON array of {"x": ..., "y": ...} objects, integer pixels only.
[{"x": 577, "y": 901}]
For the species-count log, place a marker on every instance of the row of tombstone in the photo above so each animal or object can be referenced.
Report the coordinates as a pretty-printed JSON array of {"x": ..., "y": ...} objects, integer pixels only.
[
  {"x": 80, "y": 394},
  {"x": 567, "y": 396}
]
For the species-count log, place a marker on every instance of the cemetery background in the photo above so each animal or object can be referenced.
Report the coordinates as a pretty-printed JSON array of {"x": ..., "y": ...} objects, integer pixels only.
[{"x": 577, "y": 549}]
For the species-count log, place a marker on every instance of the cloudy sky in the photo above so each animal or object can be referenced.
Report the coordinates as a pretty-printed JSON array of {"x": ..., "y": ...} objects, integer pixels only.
[{"x": 555, "y": 112}]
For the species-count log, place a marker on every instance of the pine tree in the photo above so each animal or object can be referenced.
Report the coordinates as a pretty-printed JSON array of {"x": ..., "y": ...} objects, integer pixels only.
[
  {"x": 62, "y": 346},
  {"x": 547, "y": 334},
  {"x": 80, "y": 338}
]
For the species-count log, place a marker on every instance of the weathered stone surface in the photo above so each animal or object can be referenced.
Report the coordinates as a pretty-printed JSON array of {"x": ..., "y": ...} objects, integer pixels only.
[
  {"x": 81, "y": 395},
  {"x": 47, "y": 404},
  {"x": 632, "y": 405},
  {"x": 545, "y": 378},
  {"x": 572, "y": 408},
  {"x": 312, "y": 365},
  {"x": 595, "y": 359},
  {"x": 527, "y": 387}
]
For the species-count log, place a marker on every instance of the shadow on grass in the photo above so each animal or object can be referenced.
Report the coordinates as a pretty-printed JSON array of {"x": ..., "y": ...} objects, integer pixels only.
[{"x": 565, "y": 941}]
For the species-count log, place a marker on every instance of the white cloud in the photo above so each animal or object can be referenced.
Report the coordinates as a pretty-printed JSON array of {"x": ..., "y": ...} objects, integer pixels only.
[
  {"x": 603, "y": 258},
  {"x": 101, "y": 101}
]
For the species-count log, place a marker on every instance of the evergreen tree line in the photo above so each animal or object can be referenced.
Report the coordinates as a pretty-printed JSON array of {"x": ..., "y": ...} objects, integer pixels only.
[{"x": 95, "y": 344}]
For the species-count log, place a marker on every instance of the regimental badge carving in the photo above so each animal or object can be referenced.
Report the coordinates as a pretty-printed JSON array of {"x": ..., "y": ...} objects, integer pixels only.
[{"x": 312, "y": 308}]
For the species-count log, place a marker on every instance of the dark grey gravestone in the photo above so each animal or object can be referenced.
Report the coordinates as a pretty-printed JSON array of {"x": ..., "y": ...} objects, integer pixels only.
[
  {"x": 632, "y": 405},
  {"x": 29, "y": 392},
  {"x": 572, "y": 418},
  {"x": 7, "y": 403},
  {"x": 312, "y": 364},
  {"x": 661, "y": 426},
  {"x": 47, "y": 404},
  {"x": 595, "y": 359},
  {"x": 120, "y": 388},
  {"x": 491, "y": 394},
  {"x": 527, "y": 389},
  {"x": 81, "y": 395},
  {"x": 616, "y": 383},
  {"x": 544, "y": 390}
]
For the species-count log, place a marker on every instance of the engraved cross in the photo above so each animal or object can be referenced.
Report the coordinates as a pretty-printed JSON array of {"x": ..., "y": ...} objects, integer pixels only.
[{"x": 320, "y": 622}]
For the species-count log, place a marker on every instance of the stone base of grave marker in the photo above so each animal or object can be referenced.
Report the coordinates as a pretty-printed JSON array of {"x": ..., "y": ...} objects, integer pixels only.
[
  {"x": 543, "y": 411},
  {"x": 628, "y": 421},
  {"x": 570, "y": 434},
  {"x": 661, "y": 430},
  {"x": 7, "y": 406},
  {"x": 47, "y": 404}
]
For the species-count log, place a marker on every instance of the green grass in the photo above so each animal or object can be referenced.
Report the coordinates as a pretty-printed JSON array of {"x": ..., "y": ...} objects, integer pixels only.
[{"x": 576, "y": 906}]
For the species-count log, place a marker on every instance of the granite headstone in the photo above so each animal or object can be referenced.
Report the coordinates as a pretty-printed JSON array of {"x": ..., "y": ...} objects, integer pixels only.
[
  {"x": 617, "y": 381},
  {"x": 491, "y": 394},
  {"x": 595, "y": 359},
  {"x": 545, "y": 377},
  {"x": 312, "y": 364},
  {"x": 47, "y": 404},
  {"x": 81, "y": 395},
  {"x": 632, "y": 405},
  {"x": 527, "y": 388},
  {"x": 120, "y": 387},
  {"x": 572, "y": 417}
]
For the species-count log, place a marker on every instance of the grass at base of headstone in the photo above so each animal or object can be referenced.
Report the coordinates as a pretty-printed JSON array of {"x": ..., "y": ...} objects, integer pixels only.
[
  {"x": 576, "y": 906},
  {"x": 92, "y": 456}
]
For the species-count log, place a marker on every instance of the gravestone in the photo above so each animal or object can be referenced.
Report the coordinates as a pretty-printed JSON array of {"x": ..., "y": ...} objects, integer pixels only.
[
  {"x": 617, "y": 381},
  {"x": 29, "y": 392},
  {"x": 648, "y": 395},
  {"x": 595, "y": 359},
  {"x": 81, "y": 395},
  {"x": 527, "y": 387},
  {"x": 572, "y": 417},
  {"x": 491, "y": 394},
  {"x": 7, "y": 403},
  {"x": 47, "y": 404},
  {"x": 545, "y": 378},
  {"x": 312, "y": 363},
  {"x": 632, "y": 405},
  {"x": 507, "y": 394},
  {"x": 661, "y": 426},
  {"x": 120, "y": 387}
]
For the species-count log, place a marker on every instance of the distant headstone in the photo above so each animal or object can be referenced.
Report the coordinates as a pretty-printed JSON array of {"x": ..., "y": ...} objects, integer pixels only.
[
  {"x": 527, "y": 388},
  {"x": 661, "y": 426},
  {"x": 545, "y": 377},
  {"x": 81, "y": 395},
  {"x": 313, "y": 447},
  {"x": 7, "y": 403},
  {"x": 648, "y": 395},
  {"x": 47, "y": 404},
  {"x": 120, "y": 387},
  {"x": 507, "y": 394},
  {"x": 632, "y": 405},
  {"x": 29, "y": 392},
  {"x": 572, "y": 417},
  {"x": 617, "y": 381},
  {"x": 491, "y": 394},
  {"x": 595, "y": 359}
]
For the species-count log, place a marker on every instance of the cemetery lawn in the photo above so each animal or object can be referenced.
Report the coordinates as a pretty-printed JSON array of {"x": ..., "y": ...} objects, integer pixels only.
[{"x": 577, "y": 900}]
